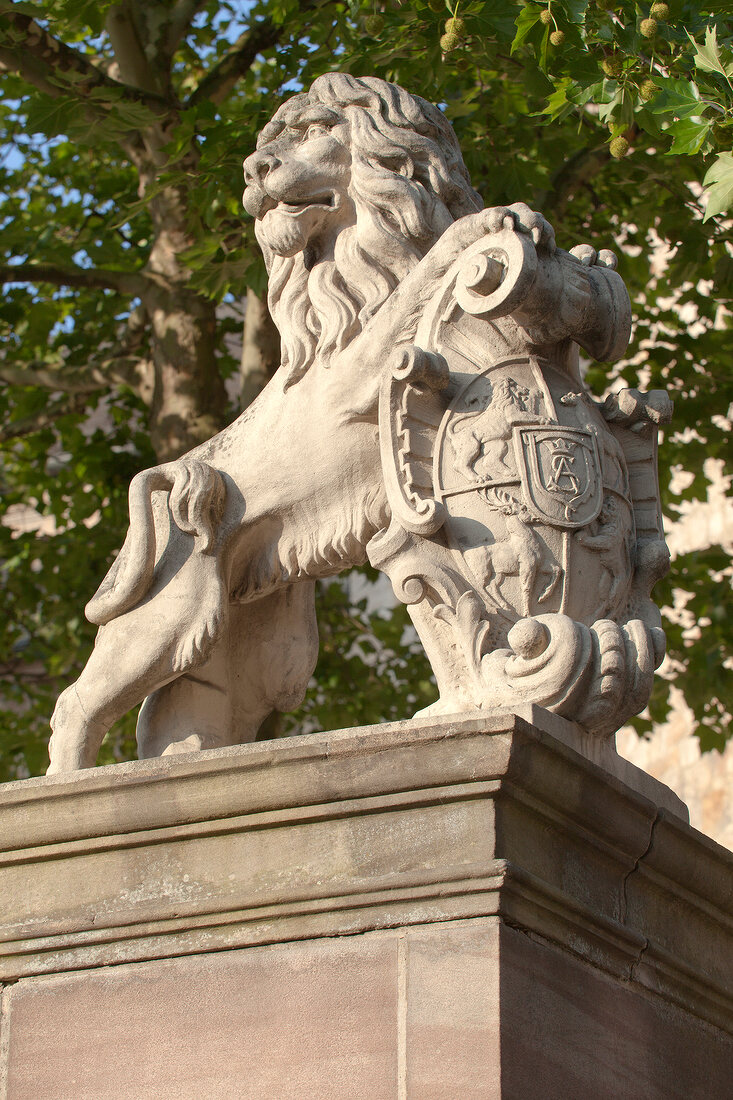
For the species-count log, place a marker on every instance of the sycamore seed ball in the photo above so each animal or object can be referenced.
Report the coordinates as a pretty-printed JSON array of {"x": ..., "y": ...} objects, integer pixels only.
[
  {"x": 557, "y": 38},
  {"x": 660, "y": 11},
  {"x": 449, "y": 42},
  {"x": 546, "y": 17},
  {"x": 456, "y": 26},
  {"x": 374, "y": 24},
  {"x": 612, "y": 66},
  {"x": 648, "y": 28},
  {"x": 647, "y": 90},
  {"x": 619, "y": 147}
]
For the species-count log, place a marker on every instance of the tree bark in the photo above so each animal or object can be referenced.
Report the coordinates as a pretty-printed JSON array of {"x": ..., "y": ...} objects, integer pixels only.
[
  {"x": 189, "y": 399},
  {"x": 260, "y": 349}
]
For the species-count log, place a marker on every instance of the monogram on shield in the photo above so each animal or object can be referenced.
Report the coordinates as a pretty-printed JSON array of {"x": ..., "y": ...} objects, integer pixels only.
[{"x": 561, "y": 473}]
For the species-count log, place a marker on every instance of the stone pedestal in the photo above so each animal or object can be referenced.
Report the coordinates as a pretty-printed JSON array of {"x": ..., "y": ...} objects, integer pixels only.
[{"x": 444, "y": 909}]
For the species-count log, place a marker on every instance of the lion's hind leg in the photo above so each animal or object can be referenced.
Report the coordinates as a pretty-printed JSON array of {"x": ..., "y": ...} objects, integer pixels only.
[
  {"x": 190, "y": 713},
  {"x": 260, "y": 663},
  {"x": 171, "y": 633},
  {"x": 74, "y": 740}
]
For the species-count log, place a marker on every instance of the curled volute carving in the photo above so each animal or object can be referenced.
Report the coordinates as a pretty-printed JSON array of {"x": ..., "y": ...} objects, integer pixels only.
[{"x": 429, "y": 414}]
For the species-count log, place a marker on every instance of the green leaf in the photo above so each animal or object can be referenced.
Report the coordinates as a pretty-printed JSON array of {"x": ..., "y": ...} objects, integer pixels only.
[
  {"x": 708, "y": 57},
  {"x": 581, "y": 95},
  {"x": 557, "y": 105},
  {"x": 526, "y": 20},
  {"x": 677, "y": 99},
  {"x": 606, "y": 110},
  {"x": 575, "y": 10},
  {"x": 545, "y": 50},
  {"x": 718, "y": 183},
  {"x": 689, "y": 136}
]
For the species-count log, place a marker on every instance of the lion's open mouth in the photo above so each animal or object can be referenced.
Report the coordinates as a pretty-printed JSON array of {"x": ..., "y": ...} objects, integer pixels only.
[
  {"x": 298, "y": 207},
  {"x": 259, "y": 203}
]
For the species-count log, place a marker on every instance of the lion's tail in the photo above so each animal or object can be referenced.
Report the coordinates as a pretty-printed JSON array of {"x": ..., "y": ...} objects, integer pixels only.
[{"x": 196, "y": 501}]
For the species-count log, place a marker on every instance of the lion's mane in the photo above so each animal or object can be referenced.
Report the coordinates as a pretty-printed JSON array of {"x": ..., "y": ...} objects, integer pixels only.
[{"x": 408, "y": 184}]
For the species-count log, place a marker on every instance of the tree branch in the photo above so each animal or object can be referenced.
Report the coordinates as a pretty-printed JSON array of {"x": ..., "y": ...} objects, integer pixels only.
[
  {"x": 575, "y": 173},
  {"x": 126, "y": 34},
  {"x": 49, "y": 378},
  {"x": 56, "y": 69},
  {"x": 179, "y": 23},
  {"x": 126, "y": 363},
  {"x": 219, "y": 81},
  {"x": 125, "y": 282},
  {"x": 134, "y": 371},
  {"x": 19, "y": 671}
]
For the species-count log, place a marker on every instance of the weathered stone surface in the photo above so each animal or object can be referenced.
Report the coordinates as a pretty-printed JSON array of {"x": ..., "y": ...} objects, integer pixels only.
[
  {"x": 429, "y": 413},
  {"x": 429, "y": 910},
  {"x": 568, "y": 1030},
  {"x": 452, "y": 1011},
  {"x": 351, "y": 830},
  {"x": 702, "y": 780},
  {"x": 315, "y": 1020},
  {"x": 472, "y": 1009}
]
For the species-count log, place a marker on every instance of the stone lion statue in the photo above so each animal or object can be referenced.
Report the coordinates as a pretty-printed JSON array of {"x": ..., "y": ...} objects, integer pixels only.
[{"x": 363, "y": 210}]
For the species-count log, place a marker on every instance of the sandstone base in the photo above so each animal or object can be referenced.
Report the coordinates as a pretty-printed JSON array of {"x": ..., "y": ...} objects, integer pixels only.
[{"x": 444, "y": 909}]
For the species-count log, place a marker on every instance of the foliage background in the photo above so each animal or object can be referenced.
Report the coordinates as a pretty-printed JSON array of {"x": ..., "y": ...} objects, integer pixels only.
[{"x": 123, "y": 127}]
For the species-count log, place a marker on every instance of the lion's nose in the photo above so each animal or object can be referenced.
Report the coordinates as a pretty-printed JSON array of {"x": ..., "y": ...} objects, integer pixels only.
[{"x": 258, "y": 165}]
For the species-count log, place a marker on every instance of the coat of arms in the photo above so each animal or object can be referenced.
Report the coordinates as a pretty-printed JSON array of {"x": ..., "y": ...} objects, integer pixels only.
[{"x": 526, "y": 529}]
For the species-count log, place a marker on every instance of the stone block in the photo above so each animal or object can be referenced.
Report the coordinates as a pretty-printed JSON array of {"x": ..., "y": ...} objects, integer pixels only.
[
  {"x": 432, "y": 910},
  {"x": 313, "y": 1019}
]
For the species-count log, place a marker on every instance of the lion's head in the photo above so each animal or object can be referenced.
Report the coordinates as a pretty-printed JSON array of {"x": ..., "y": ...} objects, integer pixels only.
[{"x": 351, "y": 184}]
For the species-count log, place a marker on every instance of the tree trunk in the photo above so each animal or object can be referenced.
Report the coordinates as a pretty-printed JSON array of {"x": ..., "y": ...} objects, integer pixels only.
[
  {"x": 260, "y": 349},
  {"x": 189, "y": 399}
]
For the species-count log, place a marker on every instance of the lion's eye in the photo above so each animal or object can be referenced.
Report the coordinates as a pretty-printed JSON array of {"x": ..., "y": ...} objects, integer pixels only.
[{"x": 314, "y": 130}]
